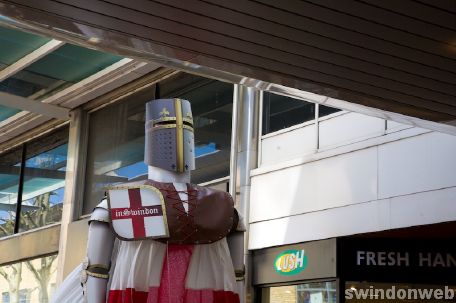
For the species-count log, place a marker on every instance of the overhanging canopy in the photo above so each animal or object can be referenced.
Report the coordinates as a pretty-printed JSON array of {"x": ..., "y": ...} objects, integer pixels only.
[{"x": 391, "y": 59}]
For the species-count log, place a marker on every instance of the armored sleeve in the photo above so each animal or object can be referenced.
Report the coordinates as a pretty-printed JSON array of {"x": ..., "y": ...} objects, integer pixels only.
[{"x": 100, "y": 213}]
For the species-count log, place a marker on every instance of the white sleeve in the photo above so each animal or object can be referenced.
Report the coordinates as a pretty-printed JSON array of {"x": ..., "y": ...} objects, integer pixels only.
[{"x": 100, "y": 213}]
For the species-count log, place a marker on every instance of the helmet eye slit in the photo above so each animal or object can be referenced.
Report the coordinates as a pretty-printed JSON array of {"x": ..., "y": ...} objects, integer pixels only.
[{"x": 164, "y": 122}]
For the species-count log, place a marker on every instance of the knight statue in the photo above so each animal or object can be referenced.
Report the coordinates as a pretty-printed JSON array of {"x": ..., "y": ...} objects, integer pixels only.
[{"x": 161, "y": 240}]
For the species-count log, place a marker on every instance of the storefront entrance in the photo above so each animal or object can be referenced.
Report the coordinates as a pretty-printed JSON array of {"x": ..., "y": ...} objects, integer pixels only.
[
  {"x": 300, "y": 273},
  {"x": 411, "y": 265}
]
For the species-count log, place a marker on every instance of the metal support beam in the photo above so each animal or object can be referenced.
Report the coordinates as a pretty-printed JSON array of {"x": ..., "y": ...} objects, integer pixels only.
[
  {"x": 30, "y": 58},
  {"x": 74, "y": 187},
  {"x": 244, "y": 158},
  {"x": 37, "y": 107}
]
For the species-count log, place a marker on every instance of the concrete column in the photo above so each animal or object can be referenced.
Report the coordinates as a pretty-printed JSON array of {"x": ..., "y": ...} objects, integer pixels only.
[
  {"x": 244, "y": 158},
  {"x": 74, "y": 182}
]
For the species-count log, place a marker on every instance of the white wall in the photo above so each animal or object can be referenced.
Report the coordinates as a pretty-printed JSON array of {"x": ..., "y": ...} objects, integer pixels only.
[
  {"x": 388, "y": 179},
  {"x": 288, "y": 144},
  {"x": 349, "y": 128}
]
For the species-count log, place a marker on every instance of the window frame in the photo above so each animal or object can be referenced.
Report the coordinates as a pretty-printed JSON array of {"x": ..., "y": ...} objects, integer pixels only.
[
  {"x": 315, "y": 123},
  {"x": 23, "y": 147}
]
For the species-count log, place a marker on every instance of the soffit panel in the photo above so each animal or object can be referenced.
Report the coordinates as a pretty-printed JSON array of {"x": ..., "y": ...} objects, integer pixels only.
[{"x": 385, "y": 55}]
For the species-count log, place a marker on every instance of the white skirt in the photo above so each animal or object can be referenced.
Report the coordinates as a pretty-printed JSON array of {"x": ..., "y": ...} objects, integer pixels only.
[{"x": 153, "y": 272}]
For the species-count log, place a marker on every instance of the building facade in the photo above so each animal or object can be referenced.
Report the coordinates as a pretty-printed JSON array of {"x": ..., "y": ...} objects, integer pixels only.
[{"x": 326, "y": 194}]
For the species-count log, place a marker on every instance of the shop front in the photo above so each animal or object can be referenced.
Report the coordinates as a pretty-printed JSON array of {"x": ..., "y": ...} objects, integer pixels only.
[
  {"x": 357, "y": 269},
  {"x": 397, "y": 270},
  {"x": 304, "y": 272}
]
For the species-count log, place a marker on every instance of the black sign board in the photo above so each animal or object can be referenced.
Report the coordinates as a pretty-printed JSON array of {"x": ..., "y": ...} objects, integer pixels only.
[{"x": 397, "y": 260}]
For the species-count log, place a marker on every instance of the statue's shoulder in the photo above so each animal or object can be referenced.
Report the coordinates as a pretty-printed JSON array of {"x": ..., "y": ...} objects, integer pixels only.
[
  {"x": 100, "y": 212},
  {"x": 209, "y": 192}
]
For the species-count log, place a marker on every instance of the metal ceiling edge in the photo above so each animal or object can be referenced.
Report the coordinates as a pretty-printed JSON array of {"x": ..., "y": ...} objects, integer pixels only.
[
  {"x": 86, "y": 83},
  {"x": 122, "y": 92},
  {"x": 38, "y": 107},
  {"x": 111, "y": 81},
  {"x": 108, "y": 76},
  {"x": 25, "y": 124},
  {"x": 199, "y": 65},
  {"x": 31, "y": 132}
]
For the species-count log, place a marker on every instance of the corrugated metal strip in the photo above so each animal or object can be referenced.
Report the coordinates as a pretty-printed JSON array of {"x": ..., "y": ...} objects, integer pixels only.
[
  {"x": 350, "y": 47},
  {"x": 445, "y": 5}
]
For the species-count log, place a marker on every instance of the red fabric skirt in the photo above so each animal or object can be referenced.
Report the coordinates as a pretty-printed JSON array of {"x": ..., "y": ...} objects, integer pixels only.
[{"x": 172, "y": 284}]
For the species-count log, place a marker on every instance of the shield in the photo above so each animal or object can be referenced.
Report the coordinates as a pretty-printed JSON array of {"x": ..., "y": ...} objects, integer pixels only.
[{"x": 137, "y": 212}]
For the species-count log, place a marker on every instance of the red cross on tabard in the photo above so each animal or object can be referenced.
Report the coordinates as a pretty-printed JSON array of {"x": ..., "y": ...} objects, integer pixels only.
[{"x": 136, "y": 212}]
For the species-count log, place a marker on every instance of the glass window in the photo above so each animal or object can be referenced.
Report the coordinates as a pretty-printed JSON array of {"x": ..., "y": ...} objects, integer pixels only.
[
  {"x": 116, "y": 135},
  {"x": 280, "y": 112},
  {"x": 212, "y": 104},
  {"x": 43, "y": 185},
  {"x": 63, "y": 67},
  {"x": 9, "y": 186},
  {"x": 316, "y": 292},
  {"x": 115, "y": 146},
  {"x": 5, "y": 297},
  {"x": 29, "y": 281},
  {"x": 24, "y": 295},
  {"x": 326, "y": 110}
]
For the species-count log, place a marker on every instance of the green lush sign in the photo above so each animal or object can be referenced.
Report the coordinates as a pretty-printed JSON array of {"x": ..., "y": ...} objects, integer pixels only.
[{"x": 290, "y": 262}]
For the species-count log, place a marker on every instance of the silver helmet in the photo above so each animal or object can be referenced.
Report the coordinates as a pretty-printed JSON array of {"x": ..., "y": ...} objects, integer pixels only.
[{"x": 170, "y": 143}]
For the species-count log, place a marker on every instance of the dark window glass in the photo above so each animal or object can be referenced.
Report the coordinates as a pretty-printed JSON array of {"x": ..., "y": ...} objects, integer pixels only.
[
  {"x": 212, "y": 104},
  {"x": 280, "y": 112},
  {"x": 116, "y": 135},
  {"x": 43, "y": 186},
  {"x": 326, "y": 110},
  {"x": 9, "y": 186}
]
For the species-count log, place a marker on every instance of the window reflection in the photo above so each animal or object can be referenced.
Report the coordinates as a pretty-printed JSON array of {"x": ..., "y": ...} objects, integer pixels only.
[
  {"x": 9, "y": 185},
  {"x": 116, "y": 135},
  {"x": 212, "y": 103},
  {"x": 115, "y": 147},
  {"x": 281, "y": 112},
  {"x": 317, "y": 292},
  {"x": 43, "y": 185},
  {"x": 31, "y": 281},
  {"x": 43, "y": 190}
]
